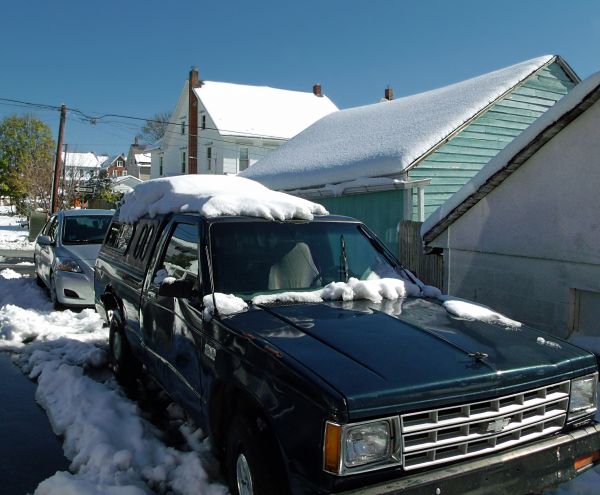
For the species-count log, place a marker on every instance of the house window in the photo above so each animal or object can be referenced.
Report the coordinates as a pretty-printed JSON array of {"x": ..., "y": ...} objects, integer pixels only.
[
  {"x": 160, "y": 166},
  {"x": 124, "y": 173},
  {"x": 183, "y": 127},
  {"x": 209, "y": 158},
  {"x": 244, "y": 159},
  {"x": 203, "y": 125},
  {"x": 183, "y": 161},
  {"x": 119, "y": 163}
]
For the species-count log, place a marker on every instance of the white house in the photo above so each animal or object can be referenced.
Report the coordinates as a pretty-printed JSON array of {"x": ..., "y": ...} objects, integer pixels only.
[
  {"x": 82, "y": 165},
  {"x": 523, "y": 235},
  {"x": 219, "y": 128}
]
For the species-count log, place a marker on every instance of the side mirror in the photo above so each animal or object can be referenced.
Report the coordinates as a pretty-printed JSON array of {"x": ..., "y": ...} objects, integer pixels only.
[
  {"x": 172, "y": 287},
  {"x": 44, "y": 240}
]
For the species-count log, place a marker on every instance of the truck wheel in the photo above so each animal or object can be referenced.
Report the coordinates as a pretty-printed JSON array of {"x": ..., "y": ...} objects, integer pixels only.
[
  {"x": 253, "y": 466},
  {"x": 124, "y": 364}
]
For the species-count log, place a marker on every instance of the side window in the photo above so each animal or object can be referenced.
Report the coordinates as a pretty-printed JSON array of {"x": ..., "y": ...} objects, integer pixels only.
[
  {"x": 180, "y": 259},
  {"x": 119, "y": 236},
  {"x": 52, "y": 228}
]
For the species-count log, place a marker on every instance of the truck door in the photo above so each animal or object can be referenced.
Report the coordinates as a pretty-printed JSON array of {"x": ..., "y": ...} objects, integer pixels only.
[{"x": 172, "y": 326}]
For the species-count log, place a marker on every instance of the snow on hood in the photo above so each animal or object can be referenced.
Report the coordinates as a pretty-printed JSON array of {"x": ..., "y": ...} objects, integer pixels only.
[
  {"x": 383, "y": 138},
  {"x": 214, "y": 195}
]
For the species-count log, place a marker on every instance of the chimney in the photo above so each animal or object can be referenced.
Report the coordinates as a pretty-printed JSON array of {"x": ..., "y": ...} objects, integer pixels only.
[
  {"x": 194, "y": 79},
  {"x": 136, "y": 141},
  {"x": 317, "y": 90},
  {"x": 389, "y": 94}
]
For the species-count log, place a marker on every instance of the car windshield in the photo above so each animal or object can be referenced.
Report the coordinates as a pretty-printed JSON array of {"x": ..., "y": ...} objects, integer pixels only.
[
  {"x": 85, "y": 229},
  {"x": 250, "y": 258}
]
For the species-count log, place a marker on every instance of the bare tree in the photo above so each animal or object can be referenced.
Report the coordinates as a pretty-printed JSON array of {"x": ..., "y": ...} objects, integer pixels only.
[{"x": 155, "y": 127}]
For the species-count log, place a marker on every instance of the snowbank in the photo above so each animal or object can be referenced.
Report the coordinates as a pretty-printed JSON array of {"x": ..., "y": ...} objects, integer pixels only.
[
  {"x": 214, "y": 195},
  {"x": 112, "y": 449},
  {"x": 13, "y": 236}
]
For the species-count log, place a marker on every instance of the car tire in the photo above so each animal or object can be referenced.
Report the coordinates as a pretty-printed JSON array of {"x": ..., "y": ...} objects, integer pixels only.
[
  {"x": 38, "y": 280},
  {"x": 123, "y": 363},
  {"x": 53, "y": 297},
  {"x": 252, "y": 463}
]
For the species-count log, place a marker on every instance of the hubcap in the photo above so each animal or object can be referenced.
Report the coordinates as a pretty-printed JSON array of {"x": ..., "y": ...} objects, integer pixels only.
[{"x": 244, "y": 476}]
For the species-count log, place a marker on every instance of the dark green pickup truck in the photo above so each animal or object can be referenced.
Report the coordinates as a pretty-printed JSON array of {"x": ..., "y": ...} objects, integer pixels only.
[{"x": 309, "y": 384}]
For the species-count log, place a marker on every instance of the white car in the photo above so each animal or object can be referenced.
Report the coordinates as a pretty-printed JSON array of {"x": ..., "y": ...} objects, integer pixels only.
[{"x": 65, "y": 253}]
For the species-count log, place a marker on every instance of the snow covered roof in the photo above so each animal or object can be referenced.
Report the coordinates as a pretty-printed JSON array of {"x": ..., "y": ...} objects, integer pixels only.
[
  {"x": 261, "y": 111},
  {"x": 77, "y": 159},
  {"x": 111, "y": 160},
  {"x": 385, "y": 138},
  {"x": 214, "y": 195},
  {"x": 571, "y": 106},
  {"x": 142, "y": 159}
]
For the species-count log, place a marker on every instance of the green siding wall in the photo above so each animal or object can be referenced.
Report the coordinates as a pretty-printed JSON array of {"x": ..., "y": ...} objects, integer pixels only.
[
  {"x": 456, "y": 162},
  {"x": 380, "y": 211}
]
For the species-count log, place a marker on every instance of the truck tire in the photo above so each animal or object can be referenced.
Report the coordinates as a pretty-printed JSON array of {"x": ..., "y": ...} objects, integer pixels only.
[
  {"x": 253, "y": 466},
  {"x": 123, "y": 363}
]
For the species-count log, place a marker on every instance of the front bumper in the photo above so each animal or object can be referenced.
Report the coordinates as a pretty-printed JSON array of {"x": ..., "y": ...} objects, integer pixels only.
[
  {"x": 74, "y": 289},
  {"x": 528, "y": 469}
]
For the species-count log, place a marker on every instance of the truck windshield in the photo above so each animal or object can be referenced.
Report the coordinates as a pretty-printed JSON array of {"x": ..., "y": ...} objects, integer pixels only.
[{"x": 250, "y": 258}]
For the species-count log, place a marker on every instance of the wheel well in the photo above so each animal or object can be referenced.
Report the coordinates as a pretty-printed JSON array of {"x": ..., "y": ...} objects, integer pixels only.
[{"x": 227, "y": 401}]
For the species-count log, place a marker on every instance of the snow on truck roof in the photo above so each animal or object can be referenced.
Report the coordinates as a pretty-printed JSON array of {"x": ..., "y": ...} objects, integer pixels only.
[
  {"x": 384, "y": 138},
  {"x": 213, "y": 196}
]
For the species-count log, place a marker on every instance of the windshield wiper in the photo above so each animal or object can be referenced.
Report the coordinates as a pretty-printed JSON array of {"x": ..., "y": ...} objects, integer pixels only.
[{"x": 343, "y": 258}]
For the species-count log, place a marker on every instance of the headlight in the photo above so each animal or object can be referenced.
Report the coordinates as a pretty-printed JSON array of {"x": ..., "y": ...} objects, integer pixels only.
[
  {"x": 362, "y": 446},
  {"x": 67, "y": 265},
  {"x": 584, "y": 396}
]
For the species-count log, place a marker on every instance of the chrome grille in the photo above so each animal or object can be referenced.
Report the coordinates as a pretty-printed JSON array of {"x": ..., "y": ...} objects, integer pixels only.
[{"x": 453, "y": 433}]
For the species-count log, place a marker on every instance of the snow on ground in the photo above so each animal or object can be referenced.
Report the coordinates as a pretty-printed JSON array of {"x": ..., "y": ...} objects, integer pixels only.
[
  {"x": 13, "y": 236},
  {"x": 214, "y": 195},
  {"x": 112, "y": 449}
]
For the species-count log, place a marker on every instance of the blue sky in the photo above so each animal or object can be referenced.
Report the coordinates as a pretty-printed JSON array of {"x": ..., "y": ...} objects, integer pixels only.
[{"x": 131, "y": 57}]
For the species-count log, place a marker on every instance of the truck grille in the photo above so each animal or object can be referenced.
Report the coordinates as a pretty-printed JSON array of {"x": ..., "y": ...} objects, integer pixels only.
[{"x": 453, "y": 433}]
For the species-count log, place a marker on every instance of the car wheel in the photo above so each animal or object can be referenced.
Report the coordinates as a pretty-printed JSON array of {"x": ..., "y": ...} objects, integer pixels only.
[
  {"x": 252, "y": 464},
  {"x": 53, "y": 297},
  {"x": 39, "y": 281},
  {"x": 123, "y": 363}
]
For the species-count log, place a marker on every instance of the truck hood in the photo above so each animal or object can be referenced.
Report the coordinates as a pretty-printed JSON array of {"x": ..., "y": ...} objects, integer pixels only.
[{"x": 411, "y": 354}]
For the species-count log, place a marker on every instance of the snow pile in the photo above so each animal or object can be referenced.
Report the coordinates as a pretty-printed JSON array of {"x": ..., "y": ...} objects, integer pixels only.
[
  {"x": 13, "y": 236},
  {"x": 375, "y": 290},
  {"x": 214, "y": 195},
  {"x": 472, "y": 311},
  {"x": 383, "y": 138},
  {"x": 113, "y": 451},
  {"x": 228, "y": 304}
]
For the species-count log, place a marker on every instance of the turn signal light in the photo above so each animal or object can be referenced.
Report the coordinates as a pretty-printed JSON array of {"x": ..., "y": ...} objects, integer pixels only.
[
  {"x": 586, "y": 460},
  {"x": 333, "y": 447}
]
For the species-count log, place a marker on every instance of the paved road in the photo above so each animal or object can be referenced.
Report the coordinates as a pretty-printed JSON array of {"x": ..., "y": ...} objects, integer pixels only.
[{"x": 11, "y": 259}]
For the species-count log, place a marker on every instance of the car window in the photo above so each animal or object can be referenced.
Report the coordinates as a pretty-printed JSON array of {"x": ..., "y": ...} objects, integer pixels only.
[
  {"x": 85, "y": 229},
  {"x": 52, "y": 226},
  {"x": 180, "y": 259},
  {"x": 119, "y": 236}
]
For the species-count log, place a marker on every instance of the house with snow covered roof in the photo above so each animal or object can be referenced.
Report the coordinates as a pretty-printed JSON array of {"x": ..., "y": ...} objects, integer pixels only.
[
  {"x": 223, "y": 128},
  {"x": 522, "y": 236},
  {"x": 402, "y": 159},
  {"x": 115, "y": 165},
  {"x": 139, "y": 160},
  {"x": 80, "y": 166}
]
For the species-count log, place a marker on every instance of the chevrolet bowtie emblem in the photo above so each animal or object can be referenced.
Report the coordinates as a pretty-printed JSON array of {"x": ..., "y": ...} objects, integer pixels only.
[{"x": 498, "y": 425}]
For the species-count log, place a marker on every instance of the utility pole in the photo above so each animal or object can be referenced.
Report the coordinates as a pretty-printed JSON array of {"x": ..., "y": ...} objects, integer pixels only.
[
  {"x": 63, "y": 182},
  {"x": 58, "y": 162}
]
